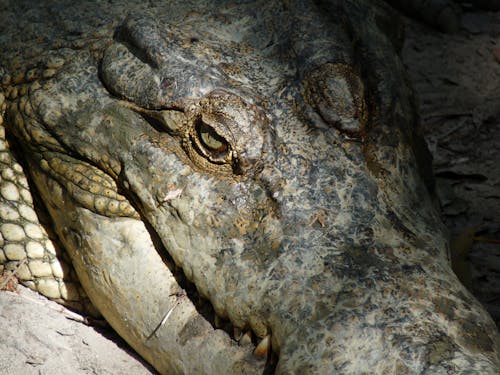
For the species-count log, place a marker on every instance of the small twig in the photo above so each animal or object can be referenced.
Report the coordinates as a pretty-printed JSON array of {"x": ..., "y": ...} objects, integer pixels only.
[
  {"x": 485, "y": 239},
  {"x": 71, "y": 315},
  {"x": 165, "y": 318},
  {"x": 450, "y": 113}
]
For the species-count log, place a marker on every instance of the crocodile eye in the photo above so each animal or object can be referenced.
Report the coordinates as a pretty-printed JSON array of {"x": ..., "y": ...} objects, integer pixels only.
[
  {"x": 209, "y": 144},
  {"x": 212, "y": 141},
  {"x": 224, "y": 134}
]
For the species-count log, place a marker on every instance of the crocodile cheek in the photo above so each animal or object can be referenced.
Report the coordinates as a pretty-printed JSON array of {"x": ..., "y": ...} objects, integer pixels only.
[{"x": 201, "y": 227}]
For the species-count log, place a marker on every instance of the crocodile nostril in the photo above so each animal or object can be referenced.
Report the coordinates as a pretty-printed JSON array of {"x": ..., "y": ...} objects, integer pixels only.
[{"x": 337, "y": 94}]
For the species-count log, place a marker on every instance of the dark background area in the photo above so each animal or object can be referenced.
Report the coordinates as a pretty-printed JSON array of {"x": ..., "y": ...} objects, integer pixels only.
[{"x": 457, "y": 81}]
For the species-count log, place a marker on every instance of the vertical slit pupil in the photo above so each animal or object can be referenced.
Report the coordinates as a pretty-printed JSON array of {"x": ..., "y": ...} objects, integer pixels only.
[{"x": 211, "y": 140}]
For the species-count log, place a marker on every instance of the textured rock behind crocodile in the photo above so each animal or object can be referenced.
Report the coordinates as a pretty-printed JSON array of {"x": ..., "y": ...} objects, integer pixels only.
[{"x": 269, "y": 148}]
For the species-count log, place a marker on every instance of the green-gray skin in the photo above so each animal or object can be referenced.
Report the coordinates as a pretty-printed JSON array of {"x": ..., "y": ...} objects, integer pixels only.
[{"x": 270, "y": 149}]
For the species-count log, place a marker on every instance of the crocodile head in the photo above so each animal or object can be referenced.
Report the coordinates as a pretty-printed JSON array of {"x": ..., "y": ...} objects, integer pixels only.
[{"x": 272, "y": 154}]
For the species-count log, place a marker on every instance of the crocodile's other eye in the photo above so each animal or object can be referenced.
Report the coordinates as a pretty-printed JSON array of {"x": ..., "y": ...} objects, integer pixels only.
[{"x": 210, "y": 140}]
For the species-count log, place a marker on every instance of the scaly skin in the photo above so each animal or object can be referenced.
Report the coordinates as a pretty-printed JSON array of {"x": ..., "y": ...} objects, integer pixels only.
[{"x": 271, "y": 150}]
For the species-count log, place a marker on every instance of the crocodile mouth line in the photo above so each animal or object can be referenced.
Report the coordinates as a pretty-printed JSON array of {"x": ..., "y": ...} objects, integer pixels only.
[{"x": 261, "y": 347}]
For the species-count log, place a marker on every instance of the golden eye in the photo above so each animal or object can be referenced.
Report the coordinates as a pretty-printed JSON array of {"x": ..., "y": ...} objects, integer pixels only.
[{"x": 212, "y": 141}]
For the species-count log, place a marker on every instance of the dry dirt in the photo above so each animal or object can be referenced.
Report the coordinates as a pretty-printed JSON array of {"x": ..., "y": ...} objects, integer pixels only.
[{"x": 457, "y": 80}]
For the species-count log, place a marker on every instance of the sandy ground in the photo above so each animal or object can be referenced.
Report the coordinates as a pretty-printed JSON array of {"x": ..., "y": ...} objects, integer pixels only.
[
  {"x": 457, "y": 78},
  {"x": 40, "y": 337}
]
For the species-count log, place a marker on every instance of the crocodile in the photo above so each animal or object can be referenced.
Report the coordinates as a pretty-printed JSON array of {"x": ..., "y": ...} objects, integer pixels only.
[{"x": 238, "y": 187}]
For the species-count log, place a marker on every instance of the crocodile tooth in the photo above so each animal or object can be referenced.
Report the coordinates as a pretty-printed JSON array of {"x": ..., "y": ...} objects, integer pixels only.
[
  {"x": 218, "y": 322},
  {"x": 237, "y": 333},
  {"x": 246, "y": 338},
  {"x": 262, "y": 349}
]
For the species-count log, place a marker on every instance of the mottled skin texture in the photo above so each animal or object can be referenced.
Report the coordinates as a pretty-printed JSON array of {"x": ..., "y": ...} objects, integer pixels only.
[{"x": 271, "y": 150}]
